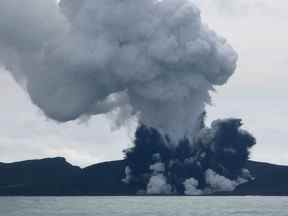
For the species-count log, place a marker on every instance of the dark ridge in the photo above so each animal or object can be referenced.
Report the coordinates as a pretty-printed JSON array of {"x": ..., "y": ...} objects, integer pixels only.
[
  {"x": 55, "y": 176},
  {"x": 106, "y": 179},
  {"x": 38, "y": 177},
  {"x": 270, "y": 180}
]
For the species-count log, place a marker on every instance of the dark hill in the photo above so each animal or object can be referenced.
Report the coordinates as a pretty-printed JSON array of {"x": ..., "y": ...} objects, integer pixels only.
[
  {"x": 105, "y": 178},
  {"x": 269, "y": 180},
  {"x": 55, "y": 176},
  {"x": 36, "y": 177}
]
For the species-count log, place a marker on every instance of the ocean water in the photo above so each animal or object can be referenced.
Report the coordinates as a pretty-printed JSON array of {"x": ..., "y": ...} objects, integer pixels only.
[{"x": 140, "y": 206}]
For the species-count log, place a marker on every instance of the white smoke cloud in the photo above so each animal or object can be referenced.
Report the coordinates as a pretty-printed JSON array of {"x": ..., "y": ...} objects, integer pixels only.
[
  {"x": 157, "y": 168},
  {"x": 158, "y": 185},
  {"x": 153, "y": 59},
  {"x": 217, "y": 182},
  {"x": 191, "y": 185}
]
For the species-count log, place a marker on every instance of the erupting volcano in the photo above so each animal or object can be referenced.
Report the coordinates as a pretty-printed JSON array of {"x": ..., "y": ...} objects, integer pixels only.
[
  {"x": 153, "y": 60},
  {"x": 213, "y": 162}
]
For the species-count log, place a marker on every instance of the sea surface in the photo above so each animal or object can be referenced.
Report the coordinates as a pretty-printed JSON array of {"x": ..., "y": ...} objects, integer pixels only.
[{"x": 140, "y": 206}]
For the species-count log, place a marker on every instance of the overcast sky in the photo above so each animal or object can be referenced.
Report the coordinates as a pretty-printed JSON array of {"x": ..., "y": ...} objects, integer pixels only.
[{"x": 257, "y": 93}]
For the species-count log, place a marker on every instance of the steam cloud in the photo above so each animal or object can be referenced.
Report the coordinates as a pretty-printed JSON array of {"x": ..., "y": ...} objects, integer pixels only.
[
  {"x": 142, "y": 57},
  {"x": 152, "y": 59}
]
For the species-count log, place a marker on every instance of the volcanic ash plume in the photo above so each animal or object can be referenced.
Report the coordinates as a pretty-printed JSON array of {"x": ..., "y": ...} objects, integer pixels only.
[
  {"x": 150, "y": 59},
  {"x": 214, "y": 162},
  {"x": 154, "y": 59}
]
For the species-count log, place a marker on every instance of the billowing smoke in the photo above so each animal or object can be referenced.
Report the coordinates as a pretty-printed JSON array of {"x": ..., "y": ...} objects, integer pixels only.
[
  {"x": 213, "y": 162},
  {"x": 147, "y": 58},
  {"x": 150, "y": 59}
]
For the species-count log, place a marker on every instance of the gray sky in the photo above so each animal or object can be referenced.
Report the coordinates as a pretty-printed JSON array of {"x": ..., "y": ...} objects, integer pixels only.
[{"x": 257, "y": 93}]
